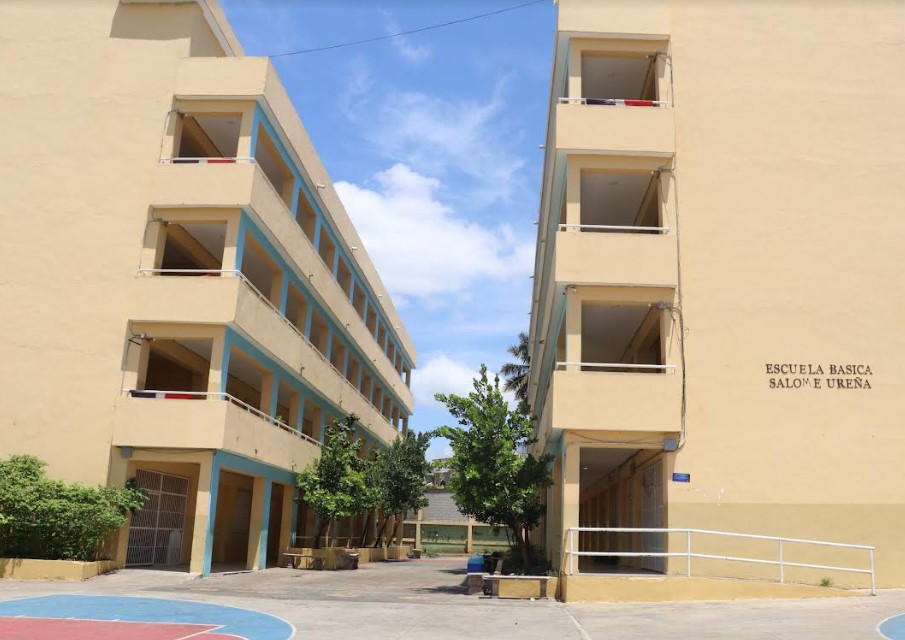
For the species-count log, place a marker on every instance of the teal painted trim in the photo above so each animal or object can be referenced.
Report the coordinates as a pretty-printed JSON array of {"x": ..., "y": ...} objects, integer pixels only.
[
  {"x": 294, "y": 207},
  {"x": 346, "y": 365},
  {"x": 548, "y": 363},
  {"x": 261, "y": 119},
  {"x": 323, "y": 426},
  {"x": 352, "y": 284},
  {"x": 295, "y": 512},
  {"x": 275, "y": 396},
  {"x": 265, "y": 524},
  {"x": 284, "y": 292},
  {"x": 211, "y": 515},
  {"x": 224, "y": 365},
  {"x": 336, "y": 253},
  {"x": 317, "y": 232},
  {"x": 240, "y": 242},
  {"x": 329, "y": 353},
  {"x": 251, "y": 467},
  {"x": 323, "y": 220},
  {"x": 309, "y": 315}
]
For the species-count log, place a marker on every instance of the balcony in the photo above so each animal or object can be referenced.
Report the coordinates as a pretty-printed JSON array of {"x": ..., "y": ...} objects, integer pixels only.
[
  {"x": 189, "y": 421},
  {"x": 620, "y": 232},
  {"x": 617, "y": 366},
  {"x": 589, "y": 128},
  {"x": 244, "y": 185},
  {"x": 232, "y": 300},
  {"x": 616, "y": 402}
]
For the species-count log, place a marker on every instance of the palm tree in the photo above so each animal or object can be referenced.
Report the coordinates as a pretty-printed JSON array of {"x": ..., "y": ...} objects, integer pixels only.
[{"x": 516, "y": 373}]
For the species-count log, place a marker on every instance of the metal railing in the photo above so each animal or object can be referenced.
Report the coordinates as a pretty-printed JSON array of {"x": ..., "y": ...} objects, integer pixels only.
[
  {"x": 224, "y": 160},
  {"x": 241, "y": 276},
  {"x": 688, "y": 554},
  {"x": 615, "y": 102},
  {"x": 618, "y": 365},
  {"x": 615, "y": 227},
  {"x": 218, "y": 395}
]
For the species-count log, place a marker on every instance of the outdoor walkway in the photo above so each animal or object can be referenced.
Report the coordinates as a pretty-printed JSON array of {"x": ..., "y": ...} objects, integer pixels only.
[{"x": 422, "y": 599}]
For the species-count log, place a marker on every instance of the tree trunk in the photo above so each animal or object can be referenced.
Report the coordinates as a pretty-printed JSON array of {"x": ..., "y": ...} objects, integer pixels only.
[
  {"x": 364, "y": 530},
  {"x": 318, "y": 531},
  {"x": 383, "y": 527}
]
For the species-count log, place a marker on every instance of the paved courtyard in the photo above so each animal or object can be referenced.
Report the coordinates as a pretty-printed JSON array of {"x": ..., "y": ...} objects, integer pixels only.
[{"x": 424, "y": 599}]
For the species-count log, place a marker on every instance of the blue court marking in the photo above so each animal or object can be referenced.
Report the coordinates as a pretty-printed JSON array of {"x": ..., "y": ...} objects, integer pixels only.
[
  {"x": 252, "y": 625},
  {"x": 893, "y": 628}
]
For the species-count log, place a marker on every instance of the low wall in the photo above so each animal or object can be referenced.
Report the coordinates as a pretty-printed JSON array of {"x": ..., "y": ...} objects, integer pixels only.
[
  {"x": 589, "y": 588},
  {"x": 30, "y": 569}
]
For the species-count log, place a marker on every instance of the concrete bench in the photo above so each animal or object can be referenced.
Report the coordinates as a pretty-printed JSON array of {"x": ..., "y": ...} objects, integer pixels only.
[
  {"x": 525, "y": 589},
  {"x": 294, "y": 558}
]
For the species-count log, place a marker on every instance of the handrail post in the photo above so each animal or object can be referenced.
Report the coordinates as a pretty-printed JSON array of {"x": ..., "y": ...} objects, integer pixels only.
[
  {"x": 873, "y": 579},
  {"x": 571, "y": 551},
  {"x": 782, "y": 577},
  {"x": 688, "y": 553}
]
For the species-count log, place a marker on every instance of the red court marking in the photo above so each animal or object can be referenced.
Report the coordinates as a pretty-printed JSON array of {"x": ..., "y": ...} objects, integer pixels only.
[{"x": 57, "y": 628}]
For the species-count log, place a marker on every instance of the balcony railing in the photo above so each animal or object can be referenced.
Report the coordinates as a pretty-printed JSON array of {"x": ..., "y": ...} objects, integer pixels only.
[
  {"x": 666, "y": 368},
  {"x": 216, "y": 395},
  {"x": 237, "y": 160},
  {"x": 612, "y": 227},
  {"x": 614, "y": 102}
]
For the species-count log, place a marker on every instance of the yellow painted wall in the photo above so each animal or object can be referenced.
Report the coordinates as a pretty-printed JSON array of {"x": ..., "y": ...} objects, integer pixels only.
[{"x": 789, "y": 234}]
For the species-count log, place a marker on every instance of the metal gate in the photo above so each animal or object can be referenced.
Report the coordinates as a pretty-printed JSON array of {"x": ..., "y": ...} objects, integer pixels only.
[
  {"x": 155, "y": 534},
  {"x": 652, "y": 516}
]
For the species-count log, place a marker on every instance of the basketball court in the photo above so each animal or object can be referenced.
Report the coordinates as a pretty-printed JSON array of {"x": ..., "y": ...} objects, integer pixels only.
[{"x": 83, "y": 617}]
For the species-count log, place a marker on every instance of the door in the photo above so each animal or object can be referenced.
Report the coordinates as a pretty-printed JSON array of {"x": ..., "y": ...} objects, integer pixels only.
[
  {"x": 155, "y": 534},
  {"x": 652, "y": 516}
]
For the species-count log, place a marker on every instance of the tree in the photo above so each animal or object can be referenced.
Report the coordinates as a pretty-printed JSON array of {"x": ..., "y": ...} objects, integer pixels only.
[
  {"x": 399, "y": 471},
  {"x": 53, "y": 520},
  {"x": 336, "y": 484},
  {"x": 492, "y": 481},
  {"x": 516, "y": 373}
]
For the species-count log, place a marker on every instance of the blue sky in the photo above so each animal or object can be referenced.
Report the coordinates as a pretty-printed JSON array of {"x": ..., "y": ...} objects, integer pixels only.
[{"x": 432, "y": 143}]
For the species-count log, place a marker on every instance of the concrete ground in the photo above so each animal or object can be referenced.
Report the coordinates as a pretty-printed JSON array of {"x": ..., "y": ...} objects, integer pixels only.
[{"x": 424, "y": 599}]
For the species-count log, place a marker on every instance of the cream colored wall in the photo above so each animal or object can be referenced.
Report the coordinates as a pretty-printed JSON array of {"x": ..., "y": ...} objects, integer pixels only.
[
  {"x": 87, "y": 91},
  {"x": 789, "y": 234}
]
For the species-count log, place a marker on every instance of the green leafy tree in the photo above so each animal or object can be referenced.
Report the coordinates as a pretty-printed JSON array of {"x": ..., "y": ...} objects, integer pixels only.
[
  {"x": 49, "y": 519},
  {"x": 399, "y": 471},
  {"x": 492, "y": 481},
  {"x": 516, "y": 373},
  {"x": 336, "y": 484}
]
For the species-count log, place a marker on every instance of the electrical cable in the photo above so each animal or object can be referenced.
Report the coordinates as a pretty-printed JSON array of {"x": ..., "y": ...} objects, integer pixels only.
[{"x": 408, "y": 32}]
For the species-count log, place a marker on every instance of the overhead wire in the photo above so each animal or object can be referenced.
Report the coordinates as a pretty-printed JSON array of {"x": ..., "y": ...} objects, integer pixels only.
[{"x": 440, "y": 25}]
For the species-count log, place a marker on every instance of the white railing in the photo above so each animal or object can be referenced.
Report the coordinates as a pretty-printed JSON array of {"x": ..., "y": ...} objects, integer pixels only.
[
  {"x": 618, "y": 365},
  {"x": 615, "y": 102},
  {"x": 615, "y": 227},
  {"x": 224, "y": 160},
  {"x": 217, "y": 395},
  {"x": 241, "y": 276},
  {"x": 688, "y": 554}
]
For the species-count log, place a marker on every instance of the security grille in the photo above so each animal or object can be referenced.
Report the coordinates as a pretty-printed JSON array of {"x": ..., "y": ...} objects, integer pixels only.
[{"x": 155, "y": 534}]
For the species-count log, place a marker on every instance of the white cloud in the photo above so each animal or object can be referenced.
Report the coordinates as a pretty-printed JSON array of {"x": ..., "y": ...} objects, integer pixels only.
[
  {"x": 409, "y": 52},
  {"x": 441, "y": 374},
  {"x": 420, "y": 246},
  {"x": 438, "y": 135}
]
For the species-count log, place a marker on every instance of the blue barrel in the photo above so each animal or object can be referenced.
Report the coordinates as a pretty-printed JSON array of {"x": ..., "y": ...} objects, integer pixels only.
[{"x": 476, "y": 564}]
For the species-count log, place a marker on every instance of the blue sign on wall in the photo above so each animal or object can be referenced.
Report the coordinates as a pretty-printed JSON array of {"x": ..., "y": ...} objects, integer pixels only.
[{"x": 681, "y": 477}]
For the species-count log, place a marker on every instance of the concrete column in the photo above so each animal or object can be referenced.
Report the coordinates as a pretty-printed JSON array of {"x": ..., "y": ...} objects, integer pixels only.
[
  {"x": 570, "y": 497},
  {"x": 469, "y": 538},
  {"x": 573, "y": 194},
  {"x": 418, "y": 529},
  {"x": 205, "y": 516},
  {"x": 574, "y": 71},
  {"x": 216, "y": 377},
  {"x": 573, "y": 329},
  {"x": 119, "y": 465},
  {"x": 295, "y": 411},
  {"x": 153, "y": 245},
  {"x": 246, "y": 128},
  {"x": 287, "y": 519},
  {"x": 231, "y": 245},
  {"x": 268, "y": 394},
  {"x": 136, "y": 368},
  {"x": 257, "y": 526}
]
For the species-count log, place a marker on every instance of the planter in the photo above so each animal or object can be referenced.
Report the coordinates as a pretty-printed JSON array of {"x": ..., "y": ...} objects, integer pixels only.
[
  {"x": 416, "y": 553},
  {"x": 30, "y": 569},
  {"x": 378, "y": 554},
  {"x": 398, "y": 553},
  {"x": 524, "y": 586}
]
